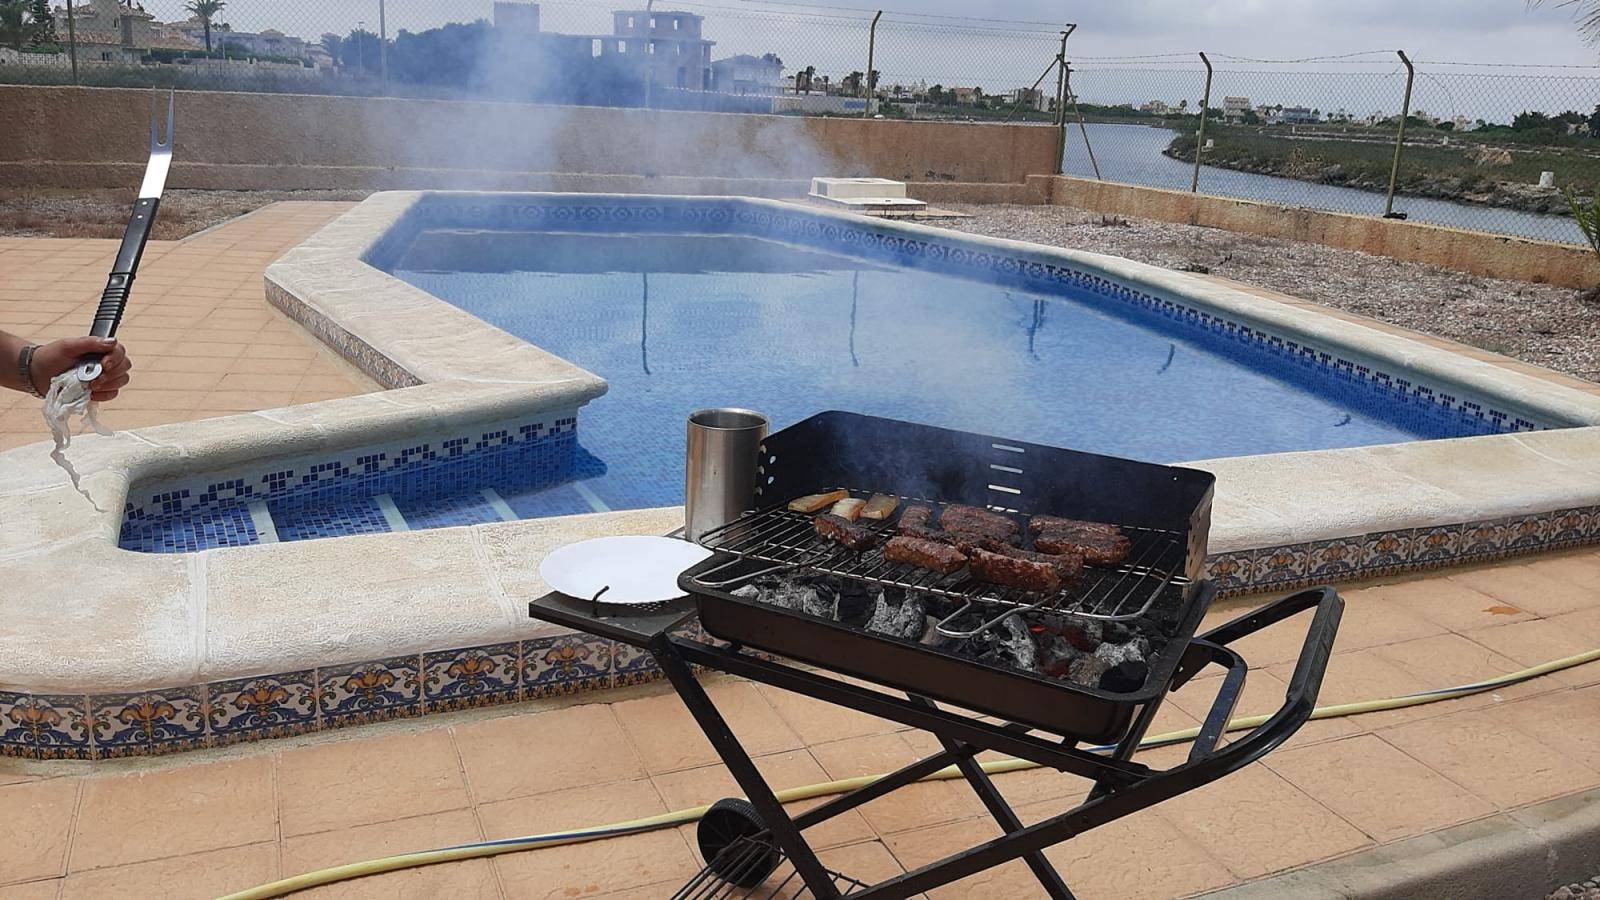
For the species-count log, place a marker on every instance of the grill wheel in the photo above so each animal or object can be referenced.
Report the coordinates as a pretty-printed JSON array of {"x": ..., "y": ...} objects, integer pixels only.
[{"x": 733, "y": 821}]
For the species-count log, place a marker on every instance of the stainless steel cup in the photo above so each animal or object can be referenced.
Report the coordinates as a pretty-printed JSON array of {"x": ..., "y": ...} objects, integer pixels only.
[{"x": 720, "y": 474}]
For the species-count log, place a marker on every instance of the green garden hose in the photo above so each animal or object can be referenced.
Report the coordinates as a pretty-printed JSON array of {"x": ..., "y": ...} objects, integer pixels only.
[{"x": 664, "y": 820}]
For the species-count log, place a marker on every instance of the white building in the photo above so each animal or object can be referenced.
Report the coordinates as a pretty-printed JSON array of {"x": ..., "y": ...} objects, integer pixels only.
[
  {"x": 746, "y": 74},
  {"x": 1234, "y": 109}
]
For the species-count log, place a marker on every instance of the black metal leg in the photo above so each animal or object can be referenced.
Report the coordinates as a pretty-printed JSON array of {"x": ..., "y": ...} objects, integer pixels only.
[
  {"x": 744, "y": 772},
  {"x": 1000, "y": 810},
  {"x": 1129, "y": 743}
]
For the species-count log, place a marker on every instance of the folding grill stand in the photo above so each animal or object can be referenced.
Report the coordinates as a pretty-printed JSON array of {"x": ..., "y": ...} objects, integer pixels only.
[{"x": 756, "y": 838}]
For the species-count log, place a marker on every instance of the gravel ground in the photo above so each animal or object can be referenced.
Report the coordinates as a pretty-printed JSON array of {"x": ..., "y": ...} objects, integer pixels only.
[
  {"x": 1537, "y": 323},
  {"x": 104, "y": 214},
  {"x": 1588, "y": 890}
]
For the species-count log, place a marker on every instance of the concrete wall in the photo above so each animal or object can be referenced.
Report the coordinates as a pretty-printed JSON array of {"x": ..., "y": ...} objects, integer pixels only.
[
  {"x": 63, "y": 136},
  {"x": 1467, "y": 251}
]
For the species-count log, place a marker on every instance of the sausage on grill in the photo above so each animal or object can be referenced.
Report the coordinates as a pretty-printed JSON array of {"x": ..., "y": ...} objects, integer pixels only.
[
  {"x": 926, "y": 554},
  {"x": 915, "y": 517},
  {"x": 957, "y": 516},
  {"x": 1030, "y": 575},
  {"x": 1094, "y": 548},
  {"x": 843, "y": 531}
]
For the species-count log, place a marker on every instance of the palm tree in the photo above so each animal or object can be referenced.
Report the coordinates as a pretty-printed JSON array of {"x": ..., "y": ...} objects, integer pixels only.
[
  {"x": 1587, "y": 15},
  {"x": 204, "y": 10},
  {"x": 13, "y": 28}
]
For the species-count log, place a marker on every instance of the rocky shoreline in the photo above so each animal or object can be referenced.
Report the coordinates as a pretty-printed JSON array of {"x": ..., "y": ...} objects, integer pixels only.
[{"x": 1479, "y": 190}]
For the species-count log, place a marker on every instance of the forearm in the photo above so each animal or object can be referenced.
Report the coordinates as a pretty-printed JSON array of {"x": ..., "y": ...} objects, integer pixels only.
[{"x": 10, "y": 349}]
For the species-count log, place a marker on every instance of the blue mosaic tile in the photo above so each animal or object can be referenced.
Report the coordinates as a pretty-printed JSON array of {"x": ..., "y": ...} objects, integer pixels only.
[
  {"x": 565, "y": 664},
  {"x": 1570, "y": 526},
  {"x": 433, "y": 483},
  {"x": 148, "y": 722},
  {"x": 371, "y": 691},
  {"x": 476, "y": 676},
  {"x": 45, "y": 726},
  {"x": 633, "y": 665},
  {"x": 1231, "y": 571},
  {"x": 1280, "y": 565},
  {"x": 1482, "y": 540},
  {"x": 1523, "y": 533},
  {"x": 248, "y": 709}
]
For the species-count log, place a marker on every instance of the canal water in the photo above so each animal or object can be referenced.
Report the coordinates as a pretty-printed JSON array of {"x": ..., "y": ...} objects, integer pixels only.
[{"x": 1132, "y": 154}]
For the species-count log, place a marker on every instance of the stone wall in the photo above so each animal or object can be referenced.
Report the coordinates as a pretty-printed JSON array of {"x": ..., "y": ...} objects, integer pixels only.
[{"x": 66, "y": 136}]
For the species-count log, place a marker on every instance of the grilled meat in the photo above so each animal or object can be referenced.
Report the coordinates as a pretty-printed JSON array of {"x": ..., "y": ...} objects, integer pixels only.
[
  {"x": 880, "y": 506},
  {"x": 1094, "y": 547},
  {"x": 1030, "y": 575},
  {"x": 1042, "y": 523},
  {"x": 926, "y": 554},
  {"x": 957, "y": 517},
  {"x": 979, "y": 530},
  {"x": 843, "y": 531},
  {"x": 1069, "y": 566},
  {"x": 915, "y": 517},
  {"x": 810, "y": 503}
]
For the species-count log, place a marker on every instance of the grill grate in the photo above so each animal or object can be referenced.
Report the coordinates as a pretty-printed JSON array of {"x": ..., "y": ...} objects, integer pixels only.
[
  {"x": 746, "y": 855},
  {"x": 786, "y": 538}
]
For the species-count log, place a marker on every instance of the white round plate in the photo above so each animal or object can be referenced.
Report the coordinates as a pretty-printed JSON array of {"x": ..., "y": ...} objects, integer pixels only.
[{"x": 638, "y": 568}]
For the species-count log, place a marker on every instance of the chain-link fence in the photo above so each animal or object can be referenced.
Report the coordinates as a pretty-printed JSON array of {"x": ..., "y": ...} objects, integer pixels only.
[
  {"x": 1489, "y": 148},
  {"x": 769, "y": 57},
  {"x": 1485, "y": 148}
]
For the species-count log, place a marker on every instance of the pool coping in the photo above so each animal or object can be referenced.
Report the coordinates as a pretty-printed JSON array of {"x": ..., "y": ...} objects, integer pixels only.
[{"x": 147, "y": 653}]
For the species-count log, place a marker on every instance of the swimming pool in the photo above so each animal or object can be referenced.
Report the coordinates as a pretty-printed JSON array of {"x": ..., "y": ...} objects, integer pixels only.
[
  {"x": 680, "y": 303},
  {"x": 675, "y": 322}
]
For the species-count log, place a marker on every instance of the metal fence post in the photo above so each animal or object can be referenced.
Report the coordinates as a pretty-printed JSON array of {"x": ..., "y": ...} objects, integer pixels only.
[
  {"x": 1400, "y": 138},
  {"x": 383, "y": 47},
  {"x": 1061, "y": 103},
  {"x": 72, "y": 40},
  {"x": 1200, "y": 135},
  {"x": 872, "y": 45}
]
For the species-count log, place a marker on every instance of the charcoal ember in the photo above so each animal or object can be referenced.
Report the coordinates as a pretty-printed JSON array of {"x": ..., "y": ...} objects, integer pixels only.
[
  {"x": 1056, "y": 655},
  {"x": 856, "y": 602},
  {"x": 1017, "y": 641},
  {"x": 907, "y": 618},
  {"x": 1117, "y": 633},
  {"x": 1087, "y": 669},
  {"x": 1125, "y": 677},
  {"x": 1133, "y": 651}
]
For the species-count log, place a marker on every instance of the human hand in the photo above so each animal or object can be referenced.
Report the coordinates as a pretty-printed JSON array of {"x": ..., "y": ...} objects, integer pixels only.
[{"x": 56, "y": 357}]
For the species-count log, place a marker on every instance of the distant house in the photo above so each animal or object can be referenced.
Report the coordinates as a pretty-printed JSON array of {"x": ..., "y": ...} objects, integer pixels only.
[
  {"x": 965, "y": 96},
  {"x": 1297, "y": 115},
  {"x": 266, "y": 43},
  {"x": 648, "y": 54},
  {"x": 1155, "y": 107},
  {"x": 746, "y": 74},
  {"x": 1235, "y": 109},
  {"x": 110, "y": 31}
]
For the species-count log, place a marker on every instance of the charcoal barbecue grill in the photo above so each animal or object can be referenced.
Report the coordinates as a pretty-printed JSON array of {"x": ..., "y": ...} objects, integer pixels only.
[{"x": 948, "y": 669}]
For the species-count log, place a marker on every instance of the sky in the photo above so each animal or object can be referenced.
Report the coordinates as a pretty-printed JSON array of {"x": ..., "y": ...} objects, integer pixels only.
[{"x": 915, "y": 44}]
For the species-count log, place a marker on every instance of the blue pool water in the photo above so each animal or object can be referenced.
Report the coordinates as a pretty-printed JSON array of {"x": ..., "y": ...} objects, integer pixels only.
[{"x": 675, "y": 322}]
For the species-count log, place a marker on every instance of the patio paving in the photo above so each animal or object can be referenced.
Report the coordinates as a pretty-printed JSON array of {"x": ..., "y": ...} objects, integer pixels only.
[
  {"x": 203, "y": 340},
  {"x": 231, "y": 819},
  {"x": 205, "y": 343}
]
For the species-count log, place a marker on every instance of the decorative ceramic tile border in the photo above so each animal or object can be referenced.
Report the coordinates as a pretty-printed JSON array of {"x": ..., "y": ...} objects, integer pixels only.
[
  {"x": 192, "y": 717},
  {"x": 1390, "y": 552}
]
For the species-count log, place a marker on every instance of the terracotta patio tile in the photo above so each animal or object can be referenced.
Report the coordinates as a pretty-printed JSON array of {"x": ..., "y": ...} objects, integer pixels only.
[
  {"x": 921, "y": 846},
  {"x": 1358, "y": 676},
  {"x": 1527, "y": 587},
  {"x": 172, "y": 381},
  {"x": 1481, "y": 751},
  {"x": 354, "y": 782},
  {"x": 246, "y": 401},
  {"x": 910, "y": 807},
  {"x": 817, "y": 722},
  {"x": 1538, "y": 641},
  {"x": 468, "y": 878},
  {"x": 205, "y": 806},
  {"x": 44, "y": 889},
  {"x": 795, "y": 768},
  {"x": 1568, "y": 719},
  {"x": 1454, "y": 605},
  {"x": 197, "y": 875},
  {"x": 514, "y": 756},
  {"x": 35, "y": 821},
  {"x": 668, "y": 739},
  {"x": 1371, "y": 620},
  {"x": 1254, "y": 822},
  {"x": 136, "y": 396},
  {"x": 1140, "y": 855},
  {"x": 254, "y": 365},
  {"x": 593, "y": 867},
  {"x": 1377, "y": 788},
  {"x": 1451, "y": 660},
  {"x": 206, "y": 364}
]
